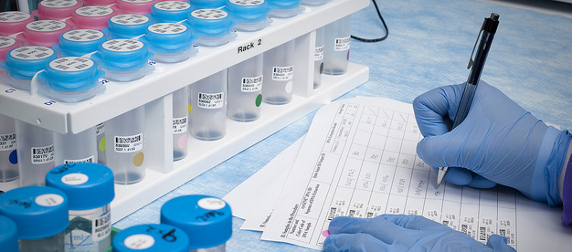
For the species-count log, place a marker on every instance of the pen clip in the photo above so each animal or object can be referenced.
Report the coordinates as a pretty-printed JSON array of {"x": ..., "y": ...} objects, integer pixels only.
[{"x": 475, "y": 46}]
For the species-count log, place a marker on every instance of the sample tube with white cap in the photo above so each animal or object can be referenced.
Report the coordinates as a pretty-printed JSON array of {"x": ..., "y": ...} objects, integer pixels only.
[{"x": 151, "y": 238}]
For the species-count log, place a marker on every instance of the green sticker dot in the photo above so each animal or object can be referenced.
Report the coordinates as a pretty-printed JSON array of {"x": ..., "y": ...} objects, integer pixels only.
[
  {"x": 102, "y": 144},
  {"x": 258, "y": 100}
]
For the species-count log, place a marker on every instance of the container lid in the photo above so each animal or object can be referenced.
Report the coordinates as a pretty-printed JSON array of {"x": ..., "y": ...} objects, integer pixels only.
[
  {"x": 151, "y": 238},
  {"x": 170, "y": 11},
  {"x": 98, "y": 2},
  {"x": 248, "y": 11},
  {"x": 283, "y": 4},
  {"x": 92, "y": 17},
  {"x": 122, "y": 55},
  {"x": 206, "y": 220},
  {"x": 207, "y": 4},
  {"x": 135, "y": 6},
  {"x": 168, "y": 37},
  {"x": 87, "y": 185},
  {"x": 56, "y": 9},
  {"x": 80, "y": 42},
  {"x": 38, "y": 211},
  {"x": 12, "y": 22},
  {"x": 44, "y": 32},
  {"x": 71, "y": 74},
  {"x": 127, "y": 25},
  {"x": 6, "y": 44},
  {"x": 210, "y": 22},
  {"x": 24, "y": 62},
  {"x": 8, "y": 236}
]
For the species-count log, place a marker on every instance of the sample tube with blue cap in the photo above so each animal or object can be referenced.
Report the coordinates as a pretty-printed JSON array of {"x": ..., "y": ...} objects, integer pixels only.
[
  {"x": 170, "y": 42},
  {"x": 245, "y": 89},
  {"x": 126, "y": 26},
  {"x": 6, "y": 44},
  {"x": 170, "y": 11},
  {"x": 80, "y": 42},
  {"x": 23, "y": 63},
  {"x": 56, "y": 9},
  {"x": 12, "y": 22},
  {"x": 40, "y": 214},
  {"x": 8, "y": 156},
  {"x": 44, "y": 32},
  {"x": 123, "y": 59},
  {"x": 207, "y": 4},
  {"x": 314, "y": 2},
  {"x": 9, "y": 235},
  {"x": 209, "y": 104},
  {"x": 337, "y": 46},
  {"x": 279, "y": 74},
  {"x": 71, "y": 79},
  {"x": 89, "y": 187},
  {"x": 249, "y": 15},
  {"x": 151, "y": 238},
  {"x": 212, "y": 26},
  {"x": 206, "y": 220},
  {"x": 135, "y": 6},
  {"x": 284, "y": 8},
  {"x": 91, "y": 17}
]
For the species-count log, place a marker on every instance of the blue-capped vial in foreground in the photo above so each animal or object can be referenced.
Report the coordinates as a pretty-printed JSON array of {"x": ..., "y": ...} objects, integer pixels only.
[
  {"x": 170, "y": 11},
  {"x": 71, "y": 79},
  {"x": 284, "y": 8},
  {"x": 249, "y": 15},
  {"x": 79, "y": 42},
  {"x": 123, "y": 59},
  {"x": 212, "y": 26},
  {"x": 151, "y": 238},
  {"x": 207, "y": 4},
  {"x": 40, "y": 214},
  {"x": 206, "y": 220},
  {"x": 23, "y": 63},
  {"x": 126, "y": 26},
  {"x": 171, "y": 42},
  {"x": 9, "y": 235}
]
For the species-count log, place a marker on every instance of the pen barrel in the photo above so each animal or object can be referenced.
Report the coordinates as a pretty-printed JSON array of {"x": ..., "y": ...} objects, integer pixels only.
[
  {"x": 482, "y": 52},
  {"x": 465, "y": 104}
]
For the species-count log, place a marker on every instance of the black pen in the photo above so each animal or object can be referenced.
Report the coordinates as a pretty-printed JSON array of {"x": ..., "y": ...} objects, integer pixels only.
[{"x": 487, "y": 33}]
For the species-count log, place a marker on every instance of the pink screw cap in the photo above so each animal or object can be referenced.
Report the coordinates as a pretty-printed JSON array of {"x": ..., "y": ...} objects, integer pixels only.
[{"x": 55, "y": 9}]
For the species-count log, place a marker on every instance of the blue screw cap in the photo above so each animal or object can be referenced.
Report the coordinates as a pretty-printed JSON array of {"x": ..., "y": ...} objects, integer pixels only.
[
  {"x": 79, "y": 42},
  {"x": 210, "y": 23},
  {"x": 24, "y": 62},
  {"x": 8, "y": 236},
  {"x": 127, "y": 26},
  {"x": 248, "y": 11},
  {"x": 168, "y": 38},
  {"x": 122, "y": 55},
  {"x": 151, "y": 238},
  {"x": 207, "y": 4},
  {"x": 170, "y": 11},
  {"x": 71, "y": 74}
]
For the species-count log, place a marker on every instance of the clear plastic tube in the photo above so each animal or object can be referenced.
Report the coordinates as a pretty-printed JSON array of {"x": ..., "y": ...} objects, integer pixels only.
[
  {"x": 180, "y": 123},
  {"x": 89, "y": 230},
  {"x": 8, "y": 157},
  {"x": 208, "y": 102},
  {"x": 319, "y": 57},
  {"x": 337, "y": 46},
  {"x": 76, "y": 148},
  {"x": 245, "y": 89},
  {"x": 54, "y": 243},
  {"x": 36, "y": 153},
  {"x": 279, "y": 74}
]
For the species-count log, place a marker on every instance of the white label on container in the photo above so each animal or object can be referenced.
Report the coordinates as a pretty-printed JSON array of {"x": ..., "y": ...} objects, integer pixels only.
[
  {"x": 283, "y": 73},
  {"x": 83, "y": 35},
  {"x": 13, "y": 16},
  {"x": 139, "y": 241},
  {"x": 126, "y": 144},
  {"x": 31, "y": 52},
  {"x": 46, "y": 25},
  {"x": 210, "y": 100},
  {"x": 172, "y": 6},
  {"x": 69, "y": 64},
  {"x": 6, "y": 42},
  {"x": 49, "y": 200},
  {"x": 100, "y": 129},
  {"x": 101, "y": 227},
  {"x": 90, "y": 159},
  {"x": 129, "y": 19},
  {"x": 319, "y": 53},
  {"x": 211, "y": 203},
  {"x": 247, "y": 2},
  {"x": 167, "y": 28},
  {"x": 42, "y": 155},
  {"x": 58, "y": 3},
  {"x": 94, "y": 11},
  {"x": 180, "y": 125},
  {"x": 251, "y": 84},
  {"x": 74, "y": 179},
  {"x": 7, "y": 141},
  {"x": 342, "y": 44},
  {"x": 122, "y": 45},
  {"x": 209, "y": 14}
]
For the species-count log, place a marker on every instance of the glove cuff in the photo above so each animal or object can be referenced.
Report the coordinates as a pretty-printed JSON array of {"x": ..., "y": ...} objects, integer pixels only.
[
  {"x": 550, "y": 162},
  {"x": 567, "y": 194}
]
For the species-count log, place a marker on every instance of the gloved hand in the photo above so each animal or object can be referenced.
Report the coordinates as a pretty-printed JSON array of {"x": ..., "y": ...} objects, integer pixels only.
[
  {"x": 403, "y": 233},
  {"x": 498, "y": 140}
]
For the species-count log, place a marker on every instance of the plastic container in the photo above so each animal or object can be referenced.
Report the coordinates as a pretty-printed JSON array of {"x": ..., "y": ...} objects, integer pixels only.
[
  {"x": 151, "y": 238},
  {"x": 9, "y": 235},
  {"x": 6, "y": 44},
  {"x": 100, "y": 135},
  {"x": 8, "y": 157},
  {"x": 206, "y": 220},
  {"x": 126, "y": 26},
  {"x": 170, "y": 11},
  {"x": 125, "y": 146},
  {"x": 44, "y": 32},
  {"x": 123, "y": 59},
  {"x": 91, "y": 17},
  {"x": 71, "y": 79},
  {"x": 208, "y": 102},
  {"x": 180, "y": 123},
  {"x": 170, "y": 42},
  {"x": 337, "y": 46},
  {"x": 56, "y": 9},
  {"x": 12, "y": 22},
  {"x": 249, "y": 15},
  {"x": 98, "y": 2},
  {"x": 212, "y": 26},
  {"x": 135, "y": 6},
  {"x": 279, "y": 74},
  {"x": 319, "y": 57},
  {"x": 245, "y": 89},
  {"x": 40, "y": 214},
  {"x": 23, "y": 63},
  {"x": 89, "y": 188},
  {"x": 207, "y": 4},
  {"x": 314, "y": 2},
  {"x": 36, "y": 153},
  {"x": 76, "y": 148},
  {"x": 284, "y": 8},
  {"x": 78, "y": 43}
]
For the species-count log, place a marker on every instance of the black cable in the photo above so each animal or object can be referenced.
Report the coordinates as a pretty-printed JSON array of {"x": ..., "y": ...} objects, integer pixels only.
[{"x": 384, "y": 26}]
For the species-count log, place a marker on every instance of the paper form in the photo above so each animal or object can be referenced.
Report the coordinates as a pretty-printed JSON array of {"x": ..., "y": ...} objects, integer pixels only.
[{"x": 359, "y": 159}]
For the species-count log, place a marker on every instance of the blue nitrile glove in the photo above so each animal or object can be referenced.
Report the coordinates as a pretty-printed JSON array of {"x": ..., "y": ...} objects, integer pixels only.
[
  {"x": 498, "y": 140},
  {"x": 403, "y": 233}
]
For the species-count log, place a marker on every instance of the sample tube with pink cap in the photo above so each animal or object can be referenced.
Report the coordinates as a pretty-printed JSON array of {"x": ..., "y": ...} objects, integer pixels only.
[
  {"x": 12, "y": 22},
  {"x": 98, "y": 2},
  {"x": 44, "y": 32},
  {"x": 56, "y": 9},
  {"x": 91, "y": 17},
  {"x": 135, "y": 6},
  {"x": 6, "y": 44}
]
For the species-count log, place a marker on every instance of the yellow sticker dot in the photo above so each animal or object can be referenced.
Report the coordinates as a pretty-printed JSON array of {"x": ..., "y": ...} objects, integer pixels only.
[
  {"x": 138, "y": 159},
  {"x": 189, "y": 108},
  {"x": 102, "y": 144}
]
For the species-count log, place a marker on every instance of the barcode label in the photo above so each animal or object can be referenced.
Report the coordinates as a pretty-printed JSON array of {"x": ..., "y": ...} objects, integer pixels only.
[
  {"x": 342, "y": 44},
  {"x": 180, "y": 125},
  {"x": 319, "y": 53},
  {"x": 210, "y": 100},
  {"x": 126, "y": 144},
  {"x": 101, "y": 227},
  {"x": 332, "y": 213},
  {"x": 42, "y": 155},
  {"x": 283, "y": 73},
  {"x": 90, "y": 159},
  {"x": 482, "y": 234},
  {"x": 7, "y": 141},
  {"x": 251, "y": 84}
]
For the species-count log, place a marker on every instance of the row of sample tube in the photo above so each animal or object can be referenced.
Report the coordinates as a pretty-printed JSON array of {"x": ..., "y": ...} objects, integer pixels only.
[{"x": 72, "y": 213}]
